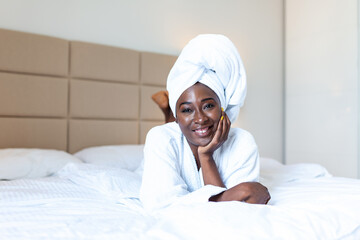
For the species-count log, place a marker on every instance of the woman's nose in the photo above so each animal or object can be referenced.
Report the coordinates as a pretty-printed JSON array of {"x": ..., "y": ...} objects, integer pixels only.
[{"x": 200, "y": 117}]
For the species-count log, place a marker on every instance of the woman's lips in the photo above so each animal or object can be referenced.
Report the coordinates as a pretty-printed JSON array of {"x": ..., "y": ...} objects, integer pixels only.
[{"x": 202, "y": 132}]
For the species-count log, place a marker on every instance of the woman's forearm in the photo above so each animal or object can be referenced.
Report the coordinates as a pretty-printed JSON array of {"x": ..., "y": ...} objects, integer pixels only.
[
  {"x": 226, "y": 196},
  {"x": 210, "y": 172},
  {"x": 250, "y": 192}
]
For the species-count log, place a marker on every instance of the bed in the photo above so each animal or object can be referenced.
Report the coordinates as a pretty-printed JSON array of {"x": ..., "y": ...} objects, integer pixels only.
[{"x": 74, "y": 117}]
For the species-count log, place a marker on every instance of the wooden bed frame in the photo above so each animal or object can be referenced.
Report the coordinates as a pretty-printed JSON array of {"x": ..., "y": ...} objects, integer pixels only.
[{"x": 68, "y": 95}]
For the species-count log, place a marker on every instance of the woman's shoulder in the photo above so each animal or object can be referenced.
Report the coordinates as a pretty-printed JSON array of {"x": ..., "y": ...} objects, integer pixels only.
[
  {"x": 164, "y": 132},
  {"x": 163, "y": 139},
  {"x": 241, "y": 135}
]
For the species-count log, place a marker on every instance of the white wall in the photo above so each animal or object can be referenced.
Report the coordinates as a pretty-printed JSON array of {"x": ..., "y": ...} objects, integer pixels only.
[
  {"x": 165, "y": 26},
  {"x": 322, "y": 84}
]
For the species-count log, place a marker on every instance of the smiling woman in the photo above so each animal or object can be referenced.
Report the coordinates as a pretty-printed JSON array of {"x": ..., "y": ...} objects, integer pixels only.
[
  {"x": 199, "y": 157},
  {"x": 198, "y": 115}
]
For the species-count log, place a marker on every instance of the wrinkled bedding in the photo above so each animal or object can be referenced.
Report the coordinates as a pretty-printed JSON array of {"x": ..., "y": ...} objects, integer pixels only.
[{"x": 84, "y": 201}]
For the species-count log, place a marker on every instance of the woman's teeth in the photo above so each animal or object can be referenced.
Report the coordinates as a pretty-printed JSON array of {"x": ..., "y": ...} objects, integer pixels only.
[{"x": 203, "y": 130}]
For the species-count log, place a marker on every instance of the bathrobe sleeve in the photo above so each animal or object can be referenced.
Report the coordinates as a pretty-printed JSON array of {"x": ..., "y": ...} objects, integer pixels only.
[
  {"x": 162, "y": 184},
  {"x": 241, "y": 158}
]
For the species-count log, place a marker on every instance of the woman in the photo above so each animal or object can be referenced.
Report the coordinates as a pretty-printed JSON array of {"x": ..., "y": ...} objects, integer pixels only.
[{"x": 199, "y": 157}]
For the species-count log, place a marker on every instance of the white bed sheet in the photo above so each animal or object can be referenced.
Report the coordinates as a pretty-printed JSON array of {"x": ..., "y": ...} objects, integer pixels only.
[
  {"x": 313, "y": 209},
  {"x": 305, "y": 205},
  {"x": 55, "y": 208}
]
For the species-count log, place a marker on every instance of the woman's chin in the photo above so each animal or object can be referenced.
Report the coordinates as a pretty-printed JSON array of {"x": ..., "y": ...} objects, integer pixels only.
[{"x": 204, "y": 142}]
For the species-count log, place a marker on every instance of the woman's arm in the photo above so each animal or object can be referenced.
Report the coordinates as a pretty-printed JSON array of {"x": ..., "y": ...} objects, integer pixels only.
[
  {"x": 209, "y": 169},
  {"x": 250, "y": 192},
  {"x": 210, "y": 172}
]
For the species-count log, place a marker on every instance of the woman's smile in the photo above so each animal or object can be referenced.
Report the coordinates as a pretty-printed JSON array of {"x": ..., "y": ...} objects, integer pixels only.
[{"x": 203, "y": 132}]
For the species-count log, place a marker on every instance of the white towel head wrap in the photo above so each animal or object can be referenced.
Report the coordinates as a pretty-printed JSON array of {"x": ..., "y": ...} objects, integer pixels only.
[{"x": 212, "y": 60}]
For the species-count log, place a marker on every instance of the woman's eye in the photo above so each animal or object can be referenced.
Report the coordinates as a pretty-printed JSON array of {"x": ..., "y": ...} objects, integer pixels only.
[
  {"x": 186, "y": 110},
  {"x": 209, "y": 105}
]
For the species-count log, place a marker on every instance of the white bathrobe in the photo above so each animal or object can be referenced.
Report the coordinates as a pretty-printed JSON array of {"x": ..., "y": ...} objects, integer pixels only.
[{"x": 170, "y": 171}]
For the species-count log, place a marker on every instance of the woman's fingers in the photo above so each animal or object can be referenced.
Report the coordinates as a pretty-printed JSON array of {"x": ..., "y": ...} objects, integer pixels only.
[
  {"x": 219, "y": 131},
  {"x": 220, "y": 136},
  {"x": 260, "y": 195},
  {"x": 226, "y": 126}
]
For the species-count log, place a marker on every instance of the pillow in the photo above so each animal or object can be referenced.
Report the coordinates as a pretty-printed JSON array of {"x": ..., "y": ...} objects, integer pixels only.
[
  {"x": 127, "y": 157},
  {"x": 275, "y": 172},
  {"x": 113, "y": 183},
  {"x": 18, "y": 163}
]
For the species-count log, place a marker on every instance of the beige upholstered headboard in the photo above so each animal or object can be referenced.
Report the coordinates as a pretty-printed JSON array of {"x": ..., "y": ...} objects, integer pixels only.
[{"x": 67, "y": 95}]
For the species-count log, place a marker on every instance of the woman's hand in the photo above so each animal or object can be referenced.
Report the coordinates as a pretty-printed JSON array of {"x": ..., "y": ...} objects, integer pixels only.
[
  {"x": 249, "y": 192},
  {"x": 219, "y": 138}
]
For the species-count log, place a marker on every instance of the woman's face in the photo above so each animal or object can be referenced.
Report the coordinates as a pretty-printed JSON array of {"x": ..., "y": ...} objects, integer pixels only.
[{"x": 198, "y": 112}]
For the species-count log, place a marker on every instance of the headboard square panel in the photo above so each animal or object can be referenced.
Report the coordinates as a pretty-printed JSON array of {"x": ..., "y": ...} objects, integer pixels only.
[
  {"x": 155, "y": 68},
  {"x": 70, "y": 95},
  {"x": 28, "y": 95},
  {"x": 95, "y": 99},
  {"x": 145, "y": 126},
  {"x": 33, "y": 133},
  {"x": 32, "y": 53},
  {"x": 87, "y": 133},
  {"x": 148, "y": 109},
  {"x": 94, "y": 61}
]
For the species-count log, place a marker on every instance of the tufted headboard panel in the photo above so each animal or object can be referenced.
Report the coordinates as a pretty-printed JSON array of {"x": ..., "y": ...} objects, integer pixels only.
[{"x": 68, "y": 95}]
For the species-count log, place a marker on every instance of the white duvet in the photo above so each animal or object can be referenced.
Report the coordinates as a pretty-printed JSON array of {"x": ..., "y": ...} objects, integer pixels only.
[{"x": 92, "y": 202}]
